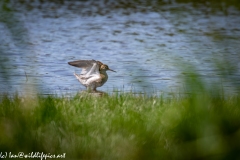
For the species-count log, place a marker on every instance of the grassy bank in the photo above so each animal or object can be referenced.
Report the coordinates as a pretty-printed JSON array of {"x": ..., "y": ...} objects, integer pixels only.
[{"x": 122, "y": 126}]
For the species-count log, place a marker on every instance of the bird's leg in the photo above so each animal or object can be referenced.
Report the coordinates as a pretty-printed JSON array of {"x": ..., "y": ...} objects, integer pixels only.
[{"x": 91, "y": 89}]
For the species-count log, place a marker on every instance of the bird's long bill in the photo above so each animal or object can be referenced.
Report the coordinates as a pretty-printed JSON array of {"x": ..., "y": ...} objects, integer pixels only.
[{"x": 111, "y": 70}]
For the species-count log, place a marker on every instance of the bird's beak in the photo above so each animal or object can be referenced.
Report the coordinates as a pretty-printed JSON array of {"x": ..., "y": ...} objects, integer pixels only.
[{"x": 111, "y": 70}]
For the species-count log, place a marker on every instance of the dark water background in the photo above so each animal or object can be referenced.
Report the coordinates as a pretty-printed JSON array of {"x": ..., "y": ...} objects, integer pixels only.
[{"x": 151, "y": 44}]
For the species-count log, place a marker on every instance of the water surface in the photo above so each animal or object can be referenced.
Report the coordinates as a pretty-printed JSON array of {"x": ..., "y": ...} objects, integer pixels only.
[{"x": 146, "y": 44}]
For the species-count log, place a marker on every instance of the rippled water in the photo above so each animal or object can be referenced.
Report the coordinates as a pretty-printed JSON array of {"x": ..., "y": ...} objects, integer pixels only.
[{"x": 145, "y": 45}]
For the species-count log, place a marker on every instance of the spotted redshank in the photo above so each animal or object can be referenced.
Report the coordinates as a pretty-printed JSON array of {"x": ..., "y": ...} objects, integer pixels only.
[{"x": 93, "y": 73}]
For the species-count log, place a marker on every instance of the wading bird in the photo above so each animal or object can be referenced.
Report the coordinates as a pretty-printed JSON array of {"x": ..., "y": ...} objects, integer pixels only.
[{"x": 93, "y": 73}]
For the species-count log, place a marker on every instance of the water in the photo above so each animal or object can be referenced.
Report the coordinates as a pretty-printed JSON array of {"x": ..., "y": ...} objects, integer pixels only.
[{"x": 145, "y": 43}]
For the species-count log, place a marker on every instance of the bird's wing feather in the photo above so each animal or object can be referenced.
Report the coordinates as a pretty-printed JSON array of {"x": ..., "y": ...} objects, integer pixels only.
[
  {"x": 94, "y": 70},
  {"x": 89, "y": 67},
  {"x": 82, "y": 63},
  {"x": 88, "y": 72}
]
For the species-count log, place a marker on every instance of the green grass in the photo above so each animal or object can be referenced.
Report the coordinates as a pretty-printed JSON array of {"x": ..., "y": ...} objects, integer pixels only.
[{"x": 122, "y": 126}]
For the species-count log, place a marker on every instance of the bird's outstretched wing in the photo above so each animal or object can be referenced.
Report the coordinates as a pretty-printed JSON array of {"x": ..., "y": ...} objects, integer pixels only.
[
  {"x": 82, "y": 63},
  {"x": 87, "y": 66}
]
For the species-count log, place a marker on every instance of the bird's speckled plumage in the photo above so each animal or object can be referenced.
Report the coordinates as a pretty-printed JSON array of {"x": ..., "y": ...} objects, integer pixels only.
[{"x": 93, "y": 73}]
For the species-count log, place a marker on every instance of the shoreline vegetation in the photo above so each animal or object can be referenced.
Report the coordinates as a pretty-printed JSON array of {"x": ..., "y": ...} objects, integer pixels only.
[{"x": 122, "y": 126}]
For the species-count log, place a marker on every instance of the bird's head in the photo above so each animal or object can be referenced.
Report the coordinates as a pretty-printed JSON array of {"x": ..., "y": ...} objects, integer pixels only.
[{"x": 105, "y": 67}]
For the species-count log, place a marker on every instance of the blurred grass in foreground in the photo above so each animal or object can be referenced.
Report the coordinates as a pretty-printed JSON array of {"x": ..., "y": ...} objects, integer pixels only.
[{"x": 123, "y": 126}]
